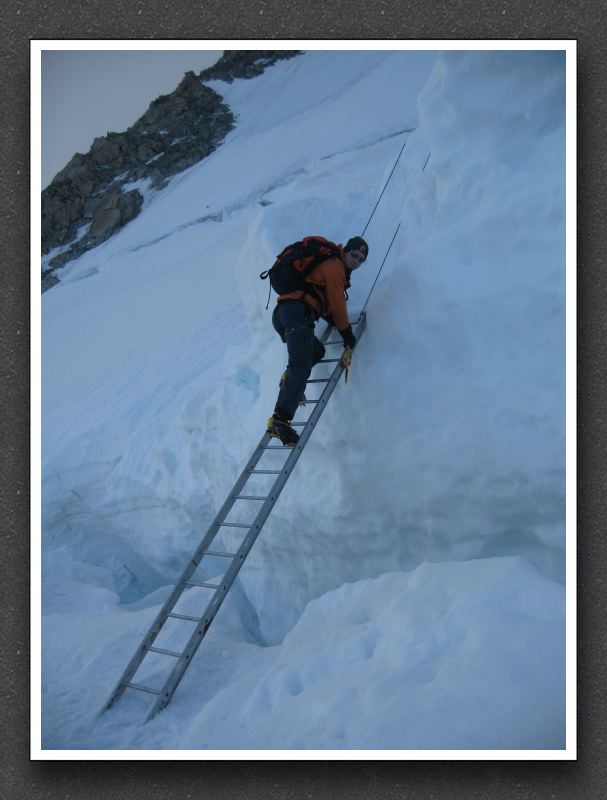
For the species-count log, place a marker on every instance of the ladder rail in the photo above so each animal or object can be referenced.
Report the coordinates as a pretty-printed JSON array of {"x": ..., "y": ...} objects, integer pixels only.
[
  {"x": 185, "y": 576},
  {"x": 204, "y": 622}
]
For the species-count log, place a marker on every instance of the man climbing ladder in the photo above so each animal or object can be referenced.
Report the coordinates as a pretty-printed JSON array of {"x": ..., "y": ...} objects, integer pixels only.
[
  {"x": 317, "y": 276},
  {"x": 202, "y": 619},
  {"x": 193, "y": 575}
]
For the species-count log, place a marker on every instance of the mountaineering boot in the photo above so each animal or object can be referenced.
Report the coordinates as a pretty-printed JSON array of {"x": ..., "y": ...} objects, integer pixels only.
[
  {"x": 283, "y": 378},
  {"x": 281, "y": 429}
]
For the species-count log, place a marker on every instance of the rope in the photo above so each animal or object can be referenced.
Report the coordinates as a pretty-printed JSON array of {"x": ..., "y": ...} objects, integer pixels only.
[
  {"x": 397, "y": 227},
  {"x": 385, "y": 185},
  {"x": 380, "y": 269}
]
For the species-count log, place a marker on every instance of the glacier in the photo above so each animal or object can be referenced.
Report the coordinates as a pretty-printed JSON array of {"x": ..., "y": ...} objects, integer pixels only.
[{"x": 408, "y": 590}]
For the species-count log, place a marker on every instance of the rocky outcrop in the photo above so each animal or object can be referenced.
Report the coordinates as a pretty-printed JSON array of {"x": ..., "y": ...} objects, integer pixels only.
[
  {"x": 93, "y": 196},
  {"x": 244, "y": 64}
]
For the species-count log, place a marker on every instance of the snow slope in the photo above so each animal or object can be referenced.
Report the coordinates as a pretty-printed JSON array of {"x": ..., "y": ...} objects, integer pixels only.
[{"x": 407, "y": 591}]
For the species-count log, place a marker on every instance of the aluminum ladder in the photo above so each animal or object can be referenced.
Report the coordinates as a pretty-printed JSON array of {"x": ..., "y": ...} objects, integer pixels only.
[{"x": 236, "y": 560}]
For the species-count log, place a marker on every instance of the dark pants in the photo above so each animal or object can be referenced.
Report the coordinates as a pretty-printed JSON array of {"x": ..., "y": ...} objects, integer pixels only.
[{"x": 294, "y": 323}]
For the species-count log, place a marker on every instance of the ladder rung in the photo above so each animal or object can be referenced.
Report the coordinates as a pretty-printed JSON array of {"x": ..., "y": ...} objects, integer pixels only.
[
  {"x": 189, "y": 617},
  {"x": 205, "y": 585},
  {"x": 318, "y": 380},
  {"x": 299, "y": 424},
  {"x": 164, "y": 652},
  {"x": 216, "y": 553},
  {"x": 141, "y": 688},
  {"x": 234, "y": 525},
  {"x": 254, "y": 496},
  {"x": 329, "y": 361},
  {"x": 312, "y": 401},
  {"x": 328, "y": 343},
  {"x": 271, "y": 447},
  {"x": 267, "y": 471}
]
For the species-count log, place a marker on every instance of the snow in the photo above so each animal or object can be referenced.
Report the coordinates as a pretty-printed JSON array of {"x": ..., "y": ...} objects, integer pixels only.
[
  {"x": 407, "y": 591},
  {"x": 142, "y": 184},
  {"x": 156, "y": 157},
  {"x": 80, "y": 233}
]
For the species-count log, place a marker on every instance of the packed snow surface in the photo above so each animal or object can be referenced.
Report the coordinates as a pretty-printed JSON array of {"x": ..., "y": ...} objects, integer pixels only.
[{"x": 407, "y": 591}]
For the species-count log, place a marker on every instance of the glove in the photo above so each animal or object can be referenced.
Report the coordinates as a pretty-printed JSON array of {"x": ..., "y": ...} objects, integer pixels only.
[
  {"x": 346, "y": 360},
  {"x": 348, "y": 337}
]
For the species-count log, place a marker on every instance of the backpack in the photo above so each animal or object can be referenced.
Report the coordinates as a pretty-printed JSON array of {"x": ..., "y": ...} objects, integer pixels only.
[{"x": 292, "y": 266}]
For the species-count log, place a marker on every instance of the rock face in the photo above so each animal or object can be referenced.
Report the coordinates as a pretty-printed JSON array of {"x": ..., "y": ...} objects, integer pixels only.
[
  {"x": 90, "y": 199},
  {"x": 244, "y": 64}
]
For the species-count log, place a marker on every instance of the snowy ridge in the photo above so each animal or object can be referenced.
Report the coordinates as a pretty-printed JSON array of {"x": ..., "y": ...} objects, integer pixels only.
[{"x": 408, "y": 586}]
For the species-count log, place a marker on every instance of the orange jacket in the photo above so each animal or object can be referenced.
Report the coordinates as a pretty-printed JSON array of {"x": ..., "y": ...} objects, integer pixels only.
[{"x": 330, "y": 300}]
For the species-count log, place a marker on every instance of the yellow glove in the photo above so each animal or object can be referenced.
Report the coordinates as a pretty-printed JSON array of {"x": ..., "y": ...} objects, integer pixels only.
[{"x": 346, "y": 360}]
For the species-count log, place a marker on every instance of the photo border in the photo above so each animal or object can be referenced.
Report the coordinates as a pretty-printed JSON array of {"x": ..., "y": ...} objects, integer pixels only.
[{"x": 578, "y": 20}]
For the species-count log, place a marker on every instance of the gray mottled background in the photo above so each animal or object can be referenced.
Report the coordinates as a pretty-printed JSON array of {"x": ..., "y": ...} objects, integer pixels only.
[{"x": 21, "y": 20}]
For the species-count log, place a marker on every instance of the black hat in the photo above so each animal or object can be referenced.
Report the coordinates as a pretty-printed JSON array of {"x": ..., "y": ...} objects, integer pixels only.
[{"x": 357, "y": 243}]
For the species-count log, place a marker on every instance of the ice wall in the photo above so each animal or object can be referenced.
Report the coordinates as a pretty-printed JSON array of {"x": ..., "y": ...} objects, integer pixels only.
[{"x": 448, "y": 442}]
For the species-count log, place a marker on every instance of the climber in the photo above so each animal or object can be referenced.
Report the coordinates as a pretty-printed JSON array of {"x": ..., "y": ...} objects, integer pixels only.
[{"x": 294, "y": 318}]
